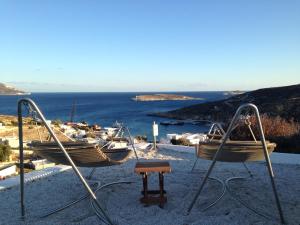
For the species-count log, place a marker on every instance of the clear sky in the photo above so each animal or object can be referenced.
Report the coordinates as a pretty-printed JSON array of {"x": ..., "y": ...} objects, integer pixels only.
[{"x": 154, "y": 45}]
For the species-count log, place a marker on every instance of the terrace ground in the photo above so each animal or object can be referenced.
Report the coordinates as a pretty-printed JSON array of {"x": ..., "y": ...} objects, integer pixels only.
[{"x": 122, "y": 201}]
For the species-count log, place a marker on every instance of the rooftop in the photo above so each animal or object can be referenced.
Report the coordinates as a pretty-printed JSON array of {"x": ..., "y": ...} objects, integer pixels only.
[{"x": 122, "y": 201}]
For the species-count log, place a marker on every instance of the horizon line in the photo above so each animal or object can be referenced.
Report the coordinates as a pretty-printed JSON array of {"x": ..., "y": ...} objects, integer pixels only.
[{"x": 33, "y": 92}]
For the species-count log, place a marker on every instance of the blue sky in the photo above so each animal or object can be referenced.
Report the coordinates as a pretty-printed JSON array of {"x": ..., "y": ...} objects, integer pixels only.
[{"x": 56, "y": 45}]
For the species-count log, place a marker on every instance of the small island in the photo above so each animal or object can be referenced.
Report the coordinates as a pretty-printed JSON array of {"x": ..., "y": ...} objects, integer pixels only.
[
  {"x": 231, "y": 93},
  {"x": 8, "y": 90},
  {"x": 164, "y": 97}
]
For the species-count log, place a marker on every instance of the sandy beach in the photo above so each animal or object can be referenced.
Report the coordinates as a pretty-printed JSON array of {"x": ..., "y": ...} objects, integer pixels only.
[{"x": 122, "y": 201}]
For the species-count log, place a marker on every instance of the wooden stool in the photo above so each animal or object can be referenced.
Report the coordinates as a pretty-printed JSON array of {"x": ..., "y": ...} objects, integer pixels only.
[{"x": 144, "y": 168}]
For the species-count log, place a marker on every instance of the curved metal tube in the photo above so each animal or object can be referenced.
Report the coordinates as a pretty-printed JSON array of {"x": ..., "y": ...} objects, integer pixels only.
[
  {"x": 28, "y": 101},
  {"x": 219, "y": 197},
  {"x": 239, "y": 200},
  {"x": 98, "y": 188},
  {"x": 219, "y": 126}
]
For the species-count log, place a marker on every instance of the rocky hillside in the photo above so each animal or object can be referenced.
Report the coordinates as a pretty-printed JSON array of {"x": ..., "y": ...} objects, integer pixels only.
[
  {"x": 8, "y": 90},
  {"x": 278, "y": 101}
]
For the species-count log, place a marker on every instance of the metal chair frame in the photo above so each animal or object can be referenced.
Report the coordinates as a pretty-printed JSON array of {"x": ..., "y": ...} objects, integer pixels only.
[
  {"x": 266, "y": 155},
  {"x": 95, "y": 203}
]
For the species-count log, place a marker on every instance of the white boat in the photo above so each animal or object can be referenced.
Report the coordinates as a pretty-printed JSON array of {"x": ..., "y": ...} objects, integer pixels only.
[{"x": 193, "y": 139}]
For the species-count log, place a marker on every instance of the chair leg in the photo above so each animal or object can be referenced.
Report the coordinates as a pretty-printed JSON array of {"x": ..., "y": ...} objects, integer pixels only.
[
  {"x": 201, "y": 187},
  {"x": 21, "y": 158},
  {"x": 248, "y": 171},
  {"x": 194, "y": 164},
  {"x": 275, "y": 192},
  {"x": 98, "y": 205},
  {"x": 269, "y": 165},
  {"x": 91, "y": 173}
]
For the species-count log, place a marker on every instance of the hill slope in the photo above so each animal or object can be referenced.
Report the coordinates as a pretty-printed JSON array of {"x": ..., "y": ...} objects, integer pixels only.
[
  {"x": 278, "y": 101},
  {"x": 7, "y": 90}
]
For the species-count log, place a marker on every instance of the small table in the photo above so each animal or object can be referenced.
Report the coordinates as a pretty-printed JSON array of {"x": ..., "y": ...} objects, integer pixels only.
[{"x": 160, "y": 167}]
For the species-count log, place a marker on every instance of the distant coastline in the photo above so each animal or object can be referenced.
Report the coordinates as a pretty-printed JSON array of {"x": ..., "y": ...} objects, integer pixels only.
[
  {"x": 164, "y": 97},
  {"x": 14, "y": 94},
  {"x": 277, "y": 101},
  {"x": 9, "y": 90}
]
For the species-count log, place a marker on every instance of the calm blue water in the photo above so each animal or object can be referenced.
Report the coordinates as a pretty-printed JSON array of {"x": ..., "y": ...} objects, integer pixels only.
[{"x": 105, "y": 108}]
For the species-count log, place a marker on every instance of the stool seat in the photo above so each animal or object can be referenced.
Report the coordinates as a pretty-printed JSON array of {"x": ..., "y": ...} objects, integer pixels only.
[{"x": 152, "y": 166}]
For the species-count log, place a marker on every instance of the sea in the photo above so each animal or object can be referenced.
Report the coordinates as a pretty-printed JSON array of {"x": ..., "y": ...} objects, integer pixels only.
[{"x": 106, "y": 108}]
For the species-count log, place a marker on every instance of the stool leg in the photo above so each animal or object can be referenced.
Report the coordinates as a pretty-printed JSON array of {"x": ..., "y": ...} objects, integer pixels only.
[
  {"x": 145, "y": 185},
  {"x": 161, "y": 189}
]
